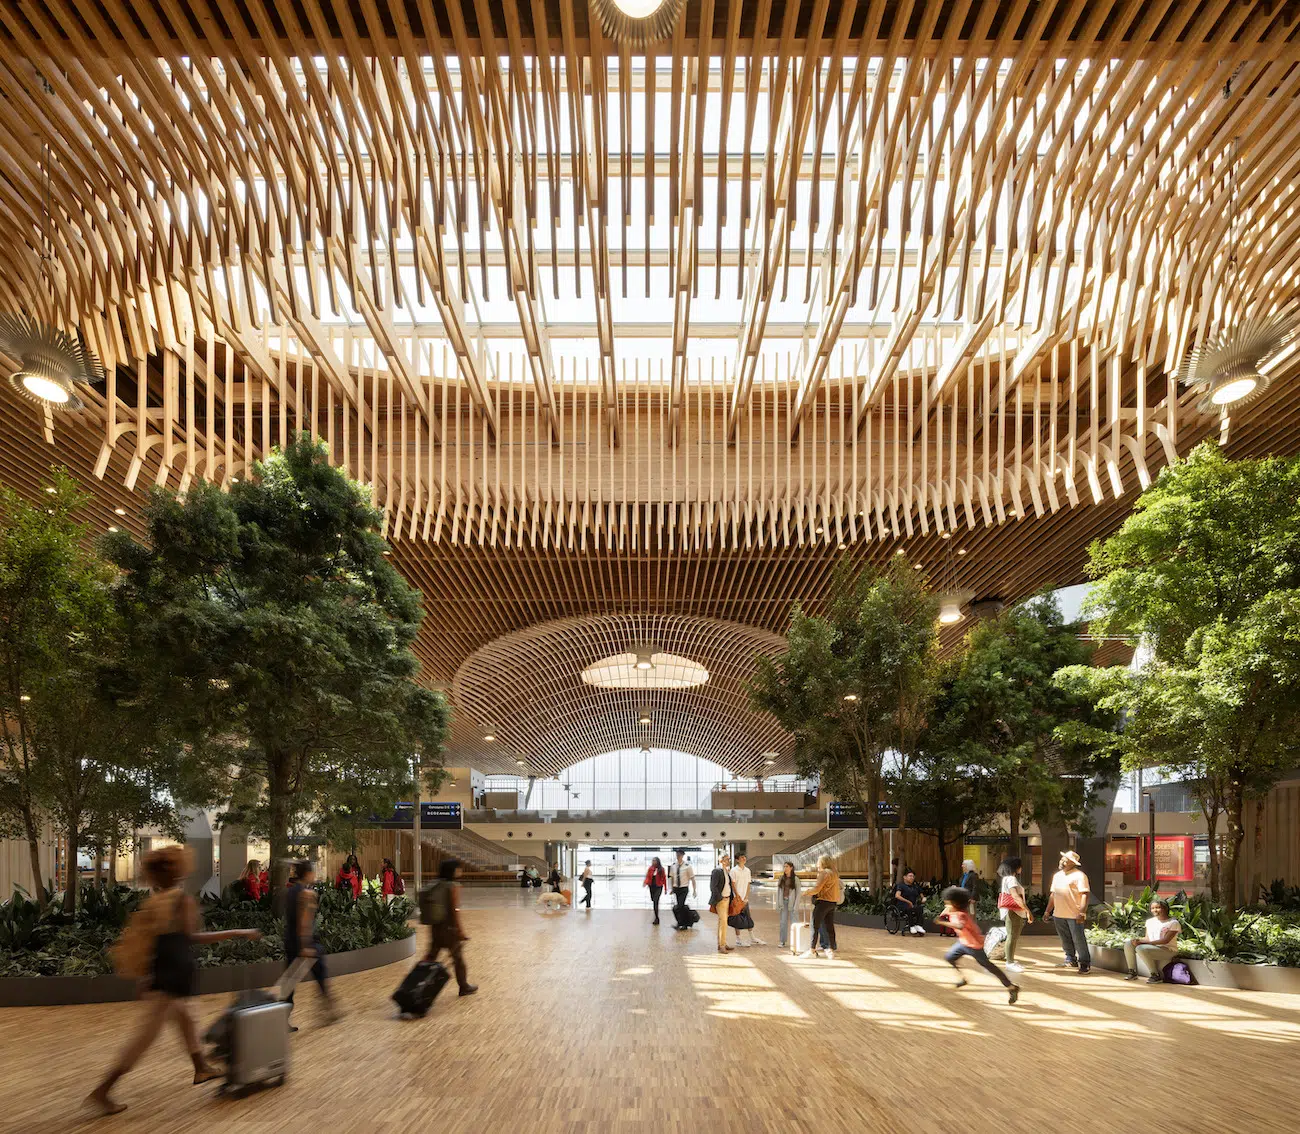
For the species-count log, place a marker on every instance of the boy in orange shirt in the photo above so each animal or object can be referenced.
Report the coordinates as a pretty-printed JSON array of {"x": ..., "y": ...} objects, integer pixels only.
[{"x": 970, "y": 941}]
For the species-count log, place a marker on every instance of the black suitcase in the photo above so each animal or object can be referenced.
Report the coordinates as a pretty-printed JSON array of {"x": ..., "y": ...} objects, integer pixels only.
[
  {"x": 685, "y": 916},
  {"x": 416, "y": 994}
]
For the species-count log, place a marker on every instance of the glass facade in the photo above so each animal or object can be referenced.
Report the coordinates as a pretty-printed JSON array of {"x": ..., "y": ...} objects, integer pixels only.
[{"x": 630, "y": 780}]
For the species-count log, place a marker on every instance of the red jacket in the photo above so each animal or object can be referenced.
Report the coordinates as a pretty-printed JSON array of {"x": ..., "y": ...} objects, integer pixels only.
[
  {"x": 254, "y": 886},
  {"x": 655, "y": 876},
  {"x": 353, "y": 878},
  {"x": 390, "y": 883}
]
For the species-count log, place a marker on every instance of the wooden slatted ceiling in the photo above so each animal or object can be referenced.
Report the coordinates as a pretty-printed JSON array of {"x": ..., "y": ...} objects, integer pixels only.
[{"x": 489, "y": 258}]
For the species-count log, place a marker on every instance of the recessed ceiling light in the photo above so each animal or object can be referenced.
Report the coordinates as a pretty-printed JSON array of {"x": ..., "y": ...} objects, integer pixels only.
[
  {"x": 111, "y": 528},
  {"x": 843, "y": 546},
  {"x": 490, "y": 737},
  {"x": 945, "y": 535},
  {"x": 120, "y": 511},
  {"x": 51, "y": 489},
  {"x": 520, "y": 763},
  {"x": 850, "y": 697},
  {"x": 961, "y": 551},
  {"x": 818, "y": 530},
  {"x": 25, "y": 697},
  {"x": 917, "y": 566}
]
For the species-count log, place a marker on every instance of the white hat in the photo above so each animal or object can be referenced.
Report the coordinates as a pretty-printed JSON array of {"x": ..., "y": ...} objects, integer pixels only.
[{"x": 1070, "y": 857}]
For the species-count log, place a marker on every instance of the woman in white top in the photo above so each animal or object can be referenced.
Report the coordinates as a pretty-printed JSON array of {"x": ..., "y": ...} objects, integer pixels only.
[
  {"x": 1013, "y": 908},
  {"x": 1158, "y": 948},
  {"x": 787, "y": 899},
  {"x": 1067, "y": 907}
]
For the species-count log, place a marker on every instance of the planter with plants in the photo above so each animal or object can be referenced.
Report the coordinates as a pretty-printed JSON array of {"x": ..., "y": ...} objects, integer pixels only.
[
  {"x": 52, "y": 957},
  {"x": 1256, "y": 948}
]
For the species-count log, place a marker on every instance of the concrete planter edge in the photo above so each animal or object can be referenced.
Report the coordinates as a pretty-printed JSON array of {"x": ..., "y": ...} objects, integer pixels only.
[
  {"x": 31, "y": 992},
  {"x": 1215, "y": 974}
]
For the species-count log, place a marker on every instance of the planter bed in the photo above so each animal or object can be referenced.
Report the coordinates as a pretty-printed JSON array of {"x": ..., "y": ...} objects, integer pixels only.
[
  {"x": 1214, "y": 974},
  {"x": 16, "y": 992},
  {"x": 877, "y": 921}
]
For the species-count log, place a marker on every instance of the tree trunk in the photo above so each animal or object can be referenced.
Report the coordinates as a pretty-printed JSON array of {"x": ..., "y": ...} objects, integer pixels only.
[
  {"x": 112, "y": 864},
  {"x": 1232, "y": 859},
  {"x": 1216, "y": 870},
  {"x": 1013, "y": 825},
  {"x": 943, "y": 857},
  {"x": 34, "y": 851},
  {"x": 279, "y": 834},
  {"x": 74, "y": 875}
]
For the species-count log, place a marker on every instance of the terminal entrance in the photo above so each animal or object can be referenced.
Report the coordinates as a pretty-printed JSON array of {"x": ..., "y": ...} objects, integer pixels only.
[{"x": 619, "y": 872}]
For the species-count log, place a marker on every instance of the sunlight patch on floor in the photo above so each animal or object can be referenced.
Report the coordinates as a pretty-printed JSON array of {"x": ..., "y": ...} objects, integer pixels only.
[{"x": 736, "y": 989}]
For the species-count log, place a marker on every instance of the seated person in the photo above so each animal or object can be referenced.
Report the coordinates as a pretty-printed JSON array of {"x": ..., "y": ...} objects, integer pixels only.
[
  {"x": 1158, "y": 948},
  {"x": 907, "y": 899}
]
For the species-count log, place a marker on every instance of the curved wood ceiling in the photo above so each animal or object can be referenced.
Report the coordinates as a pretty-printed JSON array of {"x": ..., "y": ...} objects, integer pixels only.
[{"x": 661, "y": 335}]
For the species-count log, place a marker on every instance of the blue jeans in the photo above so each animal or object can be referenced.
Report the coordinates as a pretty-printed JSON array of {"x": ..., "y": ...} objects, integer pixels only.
[
  {"x": 788, "y": 908},
  {"x": 1074, "y": 942},
  {"x": 958, "y": 951}
]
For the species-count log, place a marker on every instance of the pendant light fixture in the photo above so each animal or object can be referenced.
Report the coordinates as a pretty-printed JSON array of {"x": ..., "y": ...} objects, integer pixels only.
[
  {"x": 52, "y": 362},
  {"x": 952, "y": 600}
]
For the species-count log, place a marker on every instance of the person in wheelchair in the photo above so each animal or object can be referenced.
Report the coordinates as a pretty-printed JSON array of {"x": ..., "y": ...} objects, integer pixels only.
[{"x": 907, "y": 900}]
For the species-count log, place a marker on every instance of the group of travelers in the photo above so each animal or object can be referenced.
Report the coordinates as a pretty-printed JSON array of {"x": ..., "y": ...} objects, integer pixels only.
[{"x": 254, "y": 883}]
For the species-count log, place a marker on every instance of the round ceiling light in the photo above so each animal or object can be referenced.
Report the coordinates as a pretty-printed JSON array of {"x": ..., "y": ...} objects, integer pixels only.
[
  {"x": 53, "y": 361},
  {"x": 643, "y": 718},
  {"x": 850, "y": 697},
  {"x": 627, "y": 671},
  {"x": 637, "y": 23},
  {"x": 1234, "y": 389}
]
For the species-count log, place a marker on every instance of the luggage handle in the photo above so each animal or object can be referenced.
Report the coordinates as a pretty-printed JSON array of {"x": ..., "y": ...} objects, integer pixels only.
[{"x": 291, "y": 976}]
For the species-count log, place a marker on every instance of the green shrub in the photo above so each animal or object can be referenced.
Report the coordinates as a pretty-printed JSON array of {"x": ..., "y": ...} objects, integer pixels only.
[{"x": 55, "y": 944}]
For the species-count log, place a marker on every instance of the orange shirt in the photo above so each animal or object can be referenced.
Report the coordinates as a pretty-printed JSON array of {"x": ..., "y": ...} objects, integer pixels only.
[{"x": 966, "y": 928}]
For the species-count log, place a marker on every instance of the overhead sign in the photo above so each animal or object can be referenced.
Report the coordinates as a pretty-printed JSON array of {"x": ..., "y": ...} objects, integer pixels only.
[
  {"x": 847, "y": 816},
  {"x": 433, "y": 817}
]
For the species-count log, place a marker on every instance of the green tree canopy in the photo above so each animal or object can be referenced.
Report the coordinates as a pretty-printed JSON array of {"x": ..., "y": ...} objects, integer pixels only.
[
  {"x": 1041, "y": 747},
  {"x": 851, "y": 685},
  {"x": 271, "y": 618},
  {"x": 1206, "y": 573}
]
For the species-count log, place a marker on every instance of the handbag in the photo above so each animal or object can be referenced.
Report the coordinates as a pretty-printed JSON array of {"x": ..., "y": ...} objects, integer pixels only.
[
  {"x": 736, "y": 906},
  {"x": 1008, "y": 902}
]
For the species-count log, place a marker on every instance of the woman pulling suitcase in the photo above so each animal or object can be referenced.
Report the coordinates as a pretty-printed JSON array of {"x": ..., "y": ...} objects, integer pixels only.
[{"x": 157, "y": 948}]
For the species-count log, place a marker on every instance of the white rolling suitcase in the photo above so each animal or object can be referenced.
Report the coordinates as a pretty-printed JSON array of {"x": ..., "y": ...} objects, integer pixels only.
[{"x": 801, "y": 931}]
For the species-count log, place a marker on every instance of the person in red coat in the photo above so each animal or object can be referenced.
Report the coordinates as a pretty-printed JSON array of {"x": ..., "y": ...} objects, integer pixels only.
[
  {"x": 656, "y": 879},
  {"x": 390, "y": 882},
  {"x": 349, "y": 876}
]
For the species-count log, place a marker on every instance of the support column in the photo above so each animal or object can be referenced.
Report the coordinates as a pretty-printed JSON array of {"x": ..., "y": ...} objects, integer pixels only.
[{"x": 415, "y": 828}]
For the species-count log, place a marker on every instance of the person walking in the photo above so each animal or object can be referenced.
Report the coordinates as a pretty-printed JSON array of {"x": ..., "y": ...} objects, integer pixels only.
[
  {"x": 970, "y": 941},
  {"x": 440, "y": 911},
  {"x": 585, "y": 879},
  {"x": 656, "y": 880},
  {"x": 1158, "y": 948},
  {"x": 1014, "y": 909},
  {"x": 157, "y": 948},
  {"x": 300, "y": 941},
  {"x": 970, "y": 877},
  {"x": 827, "y": 893},
  {"x": 682, "y": 877},
  {"x": 741, "y": 880},
  {"x": 720, "y": 898},
  {"x": 787, "y": 899},
  {"x": 1067, "y": 908}
]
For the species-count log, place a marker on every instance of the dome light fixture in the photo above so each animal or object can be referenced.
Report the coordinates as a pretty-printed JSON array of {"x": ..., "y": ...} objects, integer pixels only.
[
  {"x": 643, "y": 718},
  {"x": 53, "y": 362},
  {"x": 490, "y": 737},
  {"x": 638, "y": 23},
  {"x": 950, "y": 611},
  {"x": 770, "y": 758},
  {"x": 644, "y": 659}
]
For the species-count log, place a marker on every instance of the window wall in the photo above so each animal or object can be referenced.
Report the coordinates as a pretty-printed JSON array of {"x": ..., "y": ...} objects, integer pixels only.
[{"x": 627, "y": 780}]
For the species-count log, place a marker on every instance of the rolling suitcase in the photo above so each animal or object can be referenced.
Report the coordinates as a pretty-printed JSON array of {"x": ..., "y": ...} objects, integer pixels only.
[
  {"x": 800, "y": 936},
  {"x": 416, "y": 994},
  {"x": 685, "y": 916},
  {"x": 258, "y": 1044}
]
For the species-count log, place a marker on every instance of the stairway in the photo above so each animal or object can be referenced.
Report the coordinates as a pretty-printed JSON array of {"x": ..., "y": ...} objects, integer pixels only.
[{"x": 806, "y": 851}]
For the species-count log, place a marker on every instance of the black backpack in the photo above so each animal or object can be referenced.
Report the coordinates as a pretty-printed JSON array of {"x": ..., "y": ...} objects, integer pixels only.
[{"x": 435, "y": 904}]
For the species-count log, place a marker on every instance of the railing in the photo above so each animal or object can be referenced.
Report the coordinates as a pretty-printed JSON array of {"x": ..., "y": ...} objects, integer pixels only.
[
  {"x": 833, "y": 843},
  {"x": 787, "y": 815}
]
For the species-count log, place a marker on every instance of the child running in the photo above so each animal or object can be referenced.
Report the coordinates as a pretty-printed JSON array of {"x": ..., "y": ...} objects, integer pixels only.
[{"x": 970, "y": 941}]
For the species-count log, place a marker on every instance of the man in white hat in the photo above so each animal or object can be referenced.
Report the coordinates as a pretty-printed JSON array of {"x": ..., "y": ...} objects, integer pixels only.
[{"x": 1067, "y": 908}]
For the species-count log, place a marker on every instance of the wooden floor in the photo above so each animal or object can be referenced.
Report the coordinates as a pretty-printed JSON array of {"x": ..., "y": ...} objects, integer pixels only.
[{"x": 600, "y": 1022}]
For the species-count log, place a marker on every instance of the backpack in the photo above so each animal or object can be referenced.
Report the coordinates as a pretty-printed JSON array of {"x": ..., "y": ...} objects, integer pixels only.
[
  {"x": 133, "y": 954},
  {"x": 435, "y": 904},
  {"x": 399, "y": 887},
  {"x": 1177, "y": 972}
]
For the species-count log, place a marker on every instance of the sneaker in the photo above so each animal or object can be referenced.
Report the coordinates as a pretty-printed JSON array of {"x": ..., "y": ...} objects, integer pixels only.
[
  {"x": 805, "y": 954},
  {"x": 1013, "y": 994},
  {"x": 756, "y": 940},
  {"x": 1131, "y": 975},
  {"x": 1067, "y": 964},
  {"x": 1015, "y": 967},
  {"x": 830, "y": 954},
  {"x": 920, "y": 930},
  {"x": 1084, "y": 970},
  {"x": 743, "y": 944},
  {"x": 1154, "y": 978},
  {"x": 961, "y": 983}
]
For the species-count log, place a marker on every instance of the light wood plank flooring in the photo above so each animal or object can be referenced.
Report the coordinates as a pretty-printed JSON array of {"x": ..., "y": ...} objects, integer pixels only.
[{"x": 601, "y": 1022}]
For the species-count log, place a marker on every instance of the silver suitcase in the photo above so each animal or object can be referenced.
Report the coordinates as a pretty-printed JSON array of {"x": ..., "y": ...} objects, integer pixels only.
[{"x": 259, "y": 1045}]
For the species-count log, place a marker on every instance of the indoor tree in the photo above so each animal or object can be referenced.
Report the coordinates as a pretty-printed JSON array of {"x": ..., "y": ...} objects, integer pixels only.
[
  {"x": 272, "y": 620},
  {"x": 1042, "y": 747},
  {"x": 851, "y": 685},
  {"x": 1206, "y": 572},
  {"x": 945, "y": 798}
]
